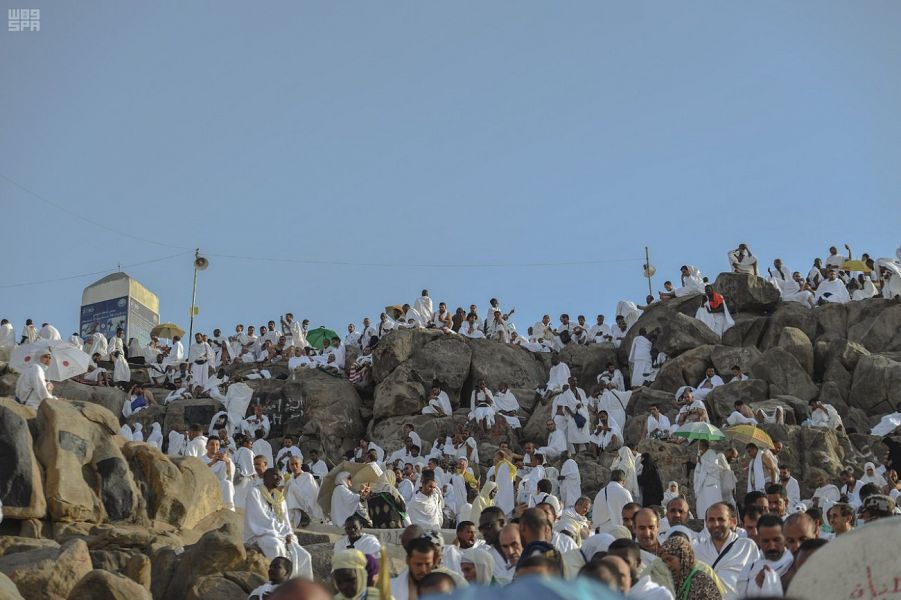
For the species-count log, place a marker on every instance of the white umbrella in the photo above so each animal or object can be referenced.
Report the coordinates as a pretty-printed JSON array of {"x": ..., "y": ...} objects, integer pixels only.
[{"x": 66, "y": 360}]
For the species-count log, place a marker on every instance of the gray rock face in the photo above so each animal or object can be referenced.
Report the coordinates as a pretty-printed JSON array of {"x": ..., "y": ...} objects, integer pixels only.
[
  {"x": 217, "y": 551},
  {"x": 721, "y": 401},
  {"x": 746, "y": 293},
  {"x": 784, "y": 374},
  {"x": 795, "y": 342},
  {"x": 682, "y": 333},
  {"x": 877, "y": 385},
  {"x": 656, "y": 317},
  {"x": 685, "y": 369},
  {"x": 587, "y": 362},
  {"x": 21, "y": 488}
]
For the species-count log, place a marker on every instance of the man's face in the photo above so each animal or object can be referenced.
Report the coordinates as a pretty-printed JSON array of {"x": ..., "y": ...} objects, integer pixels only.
[
  {"x": 428, "y": 488},
  {"x": 420, "y": 564},
  {"x": 277, "y": 572},
  {"x": 677, "y": 512},
  {"x": 776, "y": 504},
  {"x": 490, "y": 527},
  {"x": 628, "y": 515},
  {"x": 259, "y": 465},
  {"x": 511, "y": 545},
  {"x": 796, "y": 532},
  {"x": 529, "y": 448},
  {"x": 750, "y": 526},
  {"x": 346, "y": 582},
  {"x": 752, "y": 451},
  {"x": 294, "y": 465},
  {"x": 847, "y": 479},
  {"x": 719, "y": 523},
  {"x": 711, "y": 372},
  {"x": 352, "y": 529},
  {"x": 646, "y": 529},
  {"x": 771, "y": 542},
  {"x": 583, "y": 508},
  {"x": 839, "y": 522},
  {"x": 272, "y": 479},
  {"x": 350, "y": 328},
  {"x": 467, "y": 536},
  {"x": 550, "y": 426}
]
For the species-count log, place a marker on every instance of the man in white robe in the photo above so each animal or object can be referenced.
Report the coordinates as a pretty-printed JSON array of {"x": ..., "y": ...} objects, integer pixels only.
[
  {"x": 49, "y": 332},
  {"x": 556, "y": 441},
  {"x": 609, "y": 502},
  {"x": 355, "y": 539},
  {"x": 481, "y": 405},
  {"x": 607, "y": 434},
  {"x": 29, "y": 333},
  {"x": 507, "y": 406},
  {"x": 438, "y": 403},
  {"x": 219, "y": 461},
  {"x": 742, "y": 261},
  {"x": 176, "y": 351},
  {"x": 824, "y": 415},
  {"x": 692, "y": 282},
  {"x": 570, "y": 481},
  {"x": 200, "y": 357},
  {"x": 714, "y": 313},
  {"x": 196, "y": 442},
  {"x": 121, "y": 370},
  {"x": 615, "y": 403},
  {"x": 775, "y": 562},
  {"x": 267, "y": 526},
  {"x": 599, "y": 332},
  {"x": 888, "y": 423},
  {"x": 504, "y": 476},
  {"x": 708, "y": 477},
  {"x": 614, "y": 375},
  {"x": 723, "y": 549},
  {"x": 245, "y": 470},
  {"x": 7, "y": 339},
  {"x": 658, "y": 425},
  {"x": 558, "y": 377},
  {"x": 256, "y": 421},
  {"x": 792, "y": 287},
  {"x": 177, "y": 444},
  {"x": 640, "y": 360},
  {"x": 832, "y": 290},
  {"x": 711, "y": 380},
  {"x": 762, "y": 469},
  {"x": 426, "y": 509},
  {"x": 424, "y": 308},
  {"x": 826, "y": 493},
  {"x": 32, "y": 387}
]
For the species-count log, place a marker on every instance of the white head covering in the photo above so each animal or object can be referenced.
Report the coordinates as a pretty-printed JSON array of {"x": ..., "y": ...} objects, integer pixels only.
[
  {"x": 156, "y": 436},
  {"x": 344, "y": 501},
  {"x": 875, "y": 478},
  {"x": 176, "y": 443},
  {"x": 598, "y": 542},
  {"x": 681, "y": 391},
  {"x": 483, "y": 562},
  {"x": 138, "y": 435}
]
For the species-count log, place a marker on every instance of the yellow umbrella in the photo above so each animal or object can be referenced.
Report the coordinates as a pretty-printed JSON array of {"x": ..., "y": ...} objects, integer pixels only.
[
  {"x": 167, "y": 330},
  {"x": 394, "y": 308},
  {"x": 855, "y": 265},
  {"x": 750, "y": 434}
]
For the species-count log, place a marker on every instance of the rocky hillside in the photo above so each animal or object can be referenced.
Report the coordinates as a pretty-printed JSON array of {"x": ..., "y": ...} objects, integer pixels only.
[{"x": 83, "y": 507}]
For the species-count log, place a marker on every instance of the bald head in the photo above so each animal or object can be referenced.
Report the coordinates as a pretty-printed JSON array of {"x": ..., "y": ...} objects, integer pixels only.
[
  {"x": 798, "y": 528},
  {"x": 677, "y": 511},
  {"x": 647, "y": 527}
]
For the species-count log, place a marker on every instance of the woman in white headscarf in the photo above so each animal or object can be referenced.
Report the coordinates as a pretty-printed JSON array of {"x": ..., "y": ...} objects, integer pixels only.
[
  {"x": 134, "y": 348},
  {"x": 344, "y": 500},
  {"x": 176, "y": 444},
  {"x": 477, "y": 566},
  {"x": 156, "y": 436},
  {"x": 138, "y": 435},
  {"x": 871, "y": 476},
  {"x": 98, "y": 345},
  {"x": 671, "y": 492},
  {"x": 625, "y": 460}
]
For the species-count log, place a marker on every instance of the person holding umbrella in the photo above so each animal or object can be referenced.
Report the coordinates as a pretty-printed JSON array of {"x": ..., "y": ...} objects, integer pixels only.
[{"x": 32, "y": 388}]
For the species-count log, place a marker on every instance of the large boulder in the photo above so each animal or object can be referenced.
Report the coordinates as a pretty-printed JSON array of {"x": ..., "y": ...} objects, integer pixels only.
[
  {"x": 795, "y": 342},
  {"x": 657, "y": 316},
  {"x": 315, "y": 404},
  {"x": 216, "y": 586},
  {"x": 686, "y": 369},
  {"x": 180, "y": 492},
  {"x": 111, "y": 398},
  {"x": 747, "y": 331},
  {"x": 832, "y": 321},
  {"x": 505, "y": 363},
  {"x": 217, "y": 551},
  {"x": 643, "y": 397},
  {"x": 586, "y": 362},
  {"x": 181, "y": 414},
  {"x": 21, "y": 488},
  {"x": 721, "y": 401},
  {"x": 103, "y": 585},
  {"x": 881, "y": 332},
  {"x": 87, "y": 477},
  {"x": 845, "y": 352},
  {"x": 788, "y": 314},
  {"x": 726, "y": 357},
  {"x": 48, "y": 573},
  {"x": 784, "y": 374},
  {"x": 682, "y": 333},
  {"x": 747, "y": 293},
  {"x": 876, "y": 387},
  {"x": 442, "y": 357}
]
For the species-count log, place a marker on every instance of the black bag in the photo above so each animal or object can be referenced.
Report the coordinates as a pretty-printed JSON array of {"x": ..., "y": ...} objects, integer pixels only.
[
  {"x": 579, "y": 419},
  {"x": 565, "y": 337}
]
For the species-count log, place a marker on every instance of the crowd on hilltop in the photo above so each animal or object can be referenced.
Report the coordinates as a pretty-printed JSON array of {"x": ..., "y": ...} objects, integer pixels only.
[{"x": 528, "y": 505}]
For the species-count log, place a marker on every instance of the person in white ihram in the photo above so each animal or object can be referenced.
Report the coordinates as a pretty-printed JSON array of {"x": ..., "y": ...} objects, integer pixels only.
[
  {"x": 32, "y": 388},
  {"x": 722, "y": 548},
  {"x": 267, "y": 526}
]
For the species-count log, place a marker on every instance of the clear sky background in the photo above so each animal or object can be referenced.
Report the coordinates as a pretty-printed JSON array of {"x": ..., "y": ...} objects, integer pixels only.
[{"x": 436, "y": 138}]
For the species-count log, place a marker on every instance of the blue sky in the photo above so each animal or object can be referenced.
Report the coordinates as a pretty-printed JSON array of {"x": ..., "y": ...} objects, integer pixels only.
[{"x": 424, "y": 134}]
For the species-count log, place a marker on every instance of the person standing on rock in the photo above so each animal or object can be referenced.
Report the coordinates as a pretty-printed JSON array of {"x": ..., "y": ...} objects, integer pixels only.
[
  {"x": 762, "y": 469},
  {"x": 32, "y": 387},
  {"x": 196, "y": 441},
  {"x": 223, "y": 468},
  {"x": 609, "y": 502},
  {"x": 742, "y": 261},
  {"x": 266, "y": 525}
]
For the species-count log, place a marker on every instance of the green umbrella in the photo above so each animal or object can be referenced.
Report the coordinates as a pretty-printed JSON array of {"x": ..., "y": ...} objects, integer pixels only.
[
  {"x": 315, "y": 338},
  {"x": 700, "y": 431}
]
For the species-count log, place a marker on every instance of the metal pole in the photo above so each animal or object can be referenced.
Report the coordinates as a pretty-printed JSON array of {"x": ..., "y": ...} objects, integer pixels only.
[
  {"x": 647, "y": 267},
  {"x": 193, "y": 300}
]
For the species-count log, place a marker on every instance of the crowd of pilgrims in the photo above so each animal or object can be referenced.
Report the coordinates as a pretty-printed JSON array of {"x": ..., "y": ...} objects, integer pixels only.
[{"x": 528, "y": 507}]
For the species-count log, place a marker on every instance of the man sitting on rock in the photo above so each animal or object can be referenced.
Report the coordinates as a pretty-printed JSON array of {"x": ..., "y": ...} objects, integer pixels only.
[
  {"x": 356, "y": 539},
  {"x": 32, "y": 387},
  {"x": 742, "y": 415},
  {"x": 438, "y": 403},
  {"x": 832, "y": 290},
  {"x": 267, "y": 526},
  {"x": 742, "y": 261},
  {"x": 824, "y": 415},
  {"x": 690, "y": 409},
  {"x": 711, "y": 380}
]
